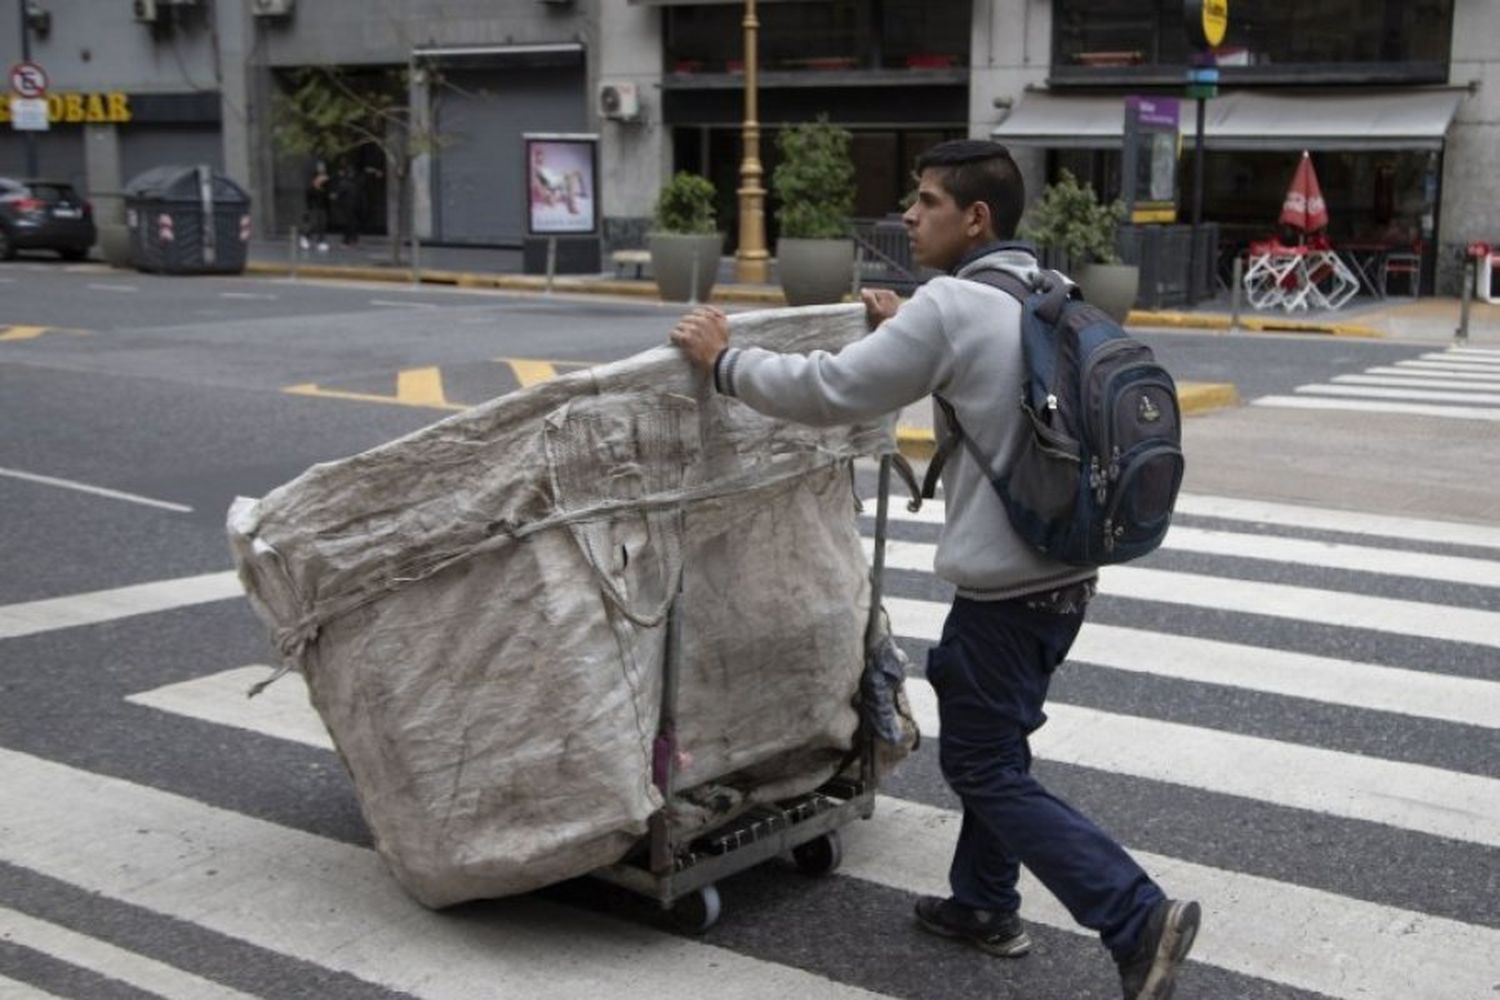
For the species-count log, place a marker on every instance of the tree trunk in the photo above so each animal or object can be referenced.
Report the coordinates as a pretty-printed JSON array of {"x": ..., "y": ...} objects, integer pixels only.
[{"x": 402, "y": 228}]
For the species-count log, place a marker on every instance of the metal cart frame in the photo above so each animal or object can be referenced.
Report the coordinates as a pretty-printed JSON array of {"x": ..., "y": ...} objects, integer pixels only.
[{"x": 679, "y": 870}]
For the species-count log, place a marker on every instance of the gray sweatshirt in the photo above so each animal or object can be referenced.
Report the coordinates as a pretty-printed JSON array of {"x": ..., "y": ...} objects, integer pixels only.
[{"x": 956, "y": 338}]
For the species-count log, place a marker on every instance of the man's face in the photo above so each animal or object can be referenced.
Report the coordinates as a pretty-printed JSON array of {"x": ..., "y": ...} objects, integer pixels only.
[{"x": 941, "y": 232}]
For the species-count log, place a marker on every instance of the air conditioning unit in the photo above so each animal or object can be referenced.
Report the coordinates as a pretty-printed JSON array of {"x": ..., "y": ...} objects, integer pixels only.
[
  {"x": 147, "y": 10},
  {"x": 272, "y": 8},
  {"x": 620, "y": 101}
]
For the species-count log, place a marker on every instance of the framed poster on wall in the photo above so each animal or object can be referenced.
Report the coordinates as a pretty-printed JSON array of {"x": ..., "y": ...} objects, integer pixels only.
[{"x": 562, "y": 184}]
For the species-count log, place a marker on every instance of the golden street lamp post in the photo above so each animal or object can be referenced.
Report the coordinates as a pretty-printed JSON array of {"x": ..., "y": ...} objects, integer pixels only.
[{"x": 751, "y": 260}]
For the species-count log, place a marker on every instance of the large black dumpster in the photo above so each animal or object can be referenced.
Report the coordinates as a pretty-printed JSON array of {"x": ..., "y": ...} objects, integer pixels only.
[{"x": 187, "y": 220}]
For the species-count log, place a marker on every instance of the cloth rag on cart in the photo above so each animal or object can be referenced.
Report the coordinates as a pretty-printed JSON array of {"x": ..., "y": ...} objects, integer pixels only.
[{"x": 478, "y": 610}]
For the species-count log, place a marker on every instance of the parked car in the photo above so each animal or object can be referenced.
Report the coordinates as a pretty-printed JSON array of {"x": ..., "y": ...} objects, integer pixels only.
[{"x": 44, "y": 215}]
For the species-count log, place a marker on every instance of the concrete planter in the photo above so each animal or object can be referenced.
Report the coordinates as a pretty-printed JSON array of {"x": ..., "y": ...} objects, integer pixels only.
[
  {"x": 676, "y": 259},
  {"x": 815, "y": 272},
  {"x": 1111, "y": 287}
]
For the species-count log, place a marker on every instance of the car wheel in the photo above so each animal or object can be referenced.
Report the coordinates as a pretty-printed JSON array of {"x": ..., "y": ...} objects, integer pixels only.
[
  {"x": 7, "y": 245},
  {"x": 72, "y": 253}
]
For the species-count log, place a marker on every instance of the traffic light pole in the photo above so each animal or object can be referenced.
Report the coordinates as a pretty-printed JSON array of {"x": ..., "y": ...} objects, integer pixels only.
[{"x": 31, "y": 167}]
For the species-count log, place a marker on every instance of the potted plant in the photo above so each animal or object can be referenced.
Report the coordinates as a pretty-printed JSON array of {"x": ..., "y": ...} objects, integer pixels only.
[
  {"x": 685, "y": 244},
  {"x": 814, "y": 183},
  {"x": 1069, "y": 220}
]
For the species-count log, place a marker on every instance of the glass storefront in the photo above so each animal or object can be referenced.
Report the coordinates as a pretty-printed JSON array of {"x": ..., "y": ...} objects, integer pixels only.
[
  {"x": 1330, "y": 40},
  {"x": 1384, "y": 199}
]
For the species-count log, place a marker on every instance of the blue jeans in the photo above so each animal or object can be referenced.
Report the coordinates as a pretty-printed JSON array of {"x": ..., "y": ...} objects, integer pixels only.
[{"x": 991, "y": 673}]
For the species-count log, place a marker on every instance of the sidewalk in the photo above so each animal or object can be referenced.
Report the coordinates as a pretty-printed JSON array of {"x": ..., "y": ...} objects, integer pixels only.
[{"x": 1429, "y": 319}]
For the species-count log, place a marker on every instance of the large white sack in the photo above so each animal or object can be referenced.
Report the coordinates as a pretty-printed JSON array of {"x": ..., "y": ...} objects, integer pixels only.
[{"x": 479, "y": 607}]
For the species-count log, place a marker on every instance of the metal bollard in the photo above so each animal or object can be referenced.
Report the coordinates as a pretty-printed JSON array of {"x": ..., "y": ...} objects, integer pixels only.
[
  {"x": 1466, "y": 295},
  {"x": 551, "y": 261},
  {"x": 1235, "y": 290},
  {"x": 295, "y": 254},
  {"x": 693, "y": 284}
]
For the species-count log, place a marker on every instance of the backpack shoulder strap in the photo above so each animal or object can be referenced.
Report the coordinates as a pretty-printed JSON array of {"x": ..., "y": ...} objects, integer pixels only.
[
  {"x": 1021, "y": 291},
  {"x": 1005, "y": 281}
]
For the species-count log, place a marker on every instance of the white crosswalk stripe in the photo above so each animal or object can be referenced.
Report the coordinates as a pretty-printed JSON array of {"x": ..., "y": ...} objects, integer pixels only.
[
  {"x": 1463, "y": 357},
  {"x": 1312, "y": 940},
  {"x": 1295, "y": 675},
  {"x": 1452, "y": 384},
  {"x": 1410, "y": 796},
  {"x": 330, "y": 904},
  {"x": 907, "y": 844},
  {"x": 1382, "y": 392},
  {"x": 1487, "y": 414},
  {"x": 1275, "y": 600},
  {"x": 1333, "y": 555},
  {"x": 109, "y": 961},
  {"x": 1409, "y": 370},
  {"x": 1265, "y": 512},
  {"x": 1418, "y": 381},
  {"x": 11, "y": 989},
  {"x": 320, "y": 901}
]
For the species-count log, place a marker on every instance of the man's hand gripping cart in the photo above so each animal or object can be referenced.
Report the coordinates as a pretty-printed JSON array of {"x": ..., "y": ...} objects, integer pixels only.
[{"x": 679, "y": 871}]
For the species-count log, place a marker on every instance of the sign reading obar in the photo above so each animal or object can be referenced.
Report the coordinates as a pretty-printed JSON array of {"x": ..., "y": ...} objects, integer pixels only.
[{"x": 1207, "y": 22}]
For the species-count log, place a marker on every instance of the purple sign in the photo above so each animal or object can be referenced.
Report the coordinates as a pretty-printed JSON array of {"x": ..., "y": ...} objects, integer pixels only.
[
  {"x": 1148, "y": 165},
  {"x": 1154, "y": 112}
]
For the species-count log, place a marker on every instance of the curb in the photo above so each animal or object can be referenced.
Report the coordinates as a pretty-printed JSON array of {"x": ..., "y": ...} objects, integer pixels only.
[
  {"x": 508, "y": 282},
  {"x": 745, "y": 295},
  {"x": 917, "y": 444},
  {"x": 1258, "y": 324}
]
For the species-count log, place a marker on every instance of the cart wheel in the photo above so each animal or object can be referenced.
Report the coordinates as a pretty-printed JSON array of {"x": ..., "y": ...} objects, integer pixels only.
[
  {"x": 697, "y": 911},
  {"x": 820, "y": 856}
]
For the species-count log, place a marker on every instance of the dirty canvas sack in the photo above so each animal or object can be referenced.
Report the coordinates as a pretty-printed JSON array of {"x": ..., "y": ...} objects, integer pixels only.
[{"x": 478, "y": 610}]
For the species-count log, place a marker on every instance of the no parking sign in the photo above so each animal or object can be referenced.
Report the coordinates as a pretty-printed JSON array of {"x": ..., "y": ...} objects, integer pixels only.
[
  {"x": 28, "y": 103},
  {"x": 28, "y": 80}
]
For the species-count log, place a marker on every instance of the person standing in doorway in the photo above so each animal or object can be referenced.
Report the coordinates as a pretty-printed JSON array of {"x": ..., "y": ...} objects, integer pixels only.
[
  {"x": 1017, "y": 611},
  {"x": 316, "y": 202},
  {"x": 349, "y": 196}
]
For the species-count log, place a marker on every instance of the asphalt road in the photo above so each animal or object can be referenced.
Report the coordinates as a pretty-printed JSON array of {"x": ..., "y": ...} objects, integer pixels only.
[{"x": 1288, "y": 712}]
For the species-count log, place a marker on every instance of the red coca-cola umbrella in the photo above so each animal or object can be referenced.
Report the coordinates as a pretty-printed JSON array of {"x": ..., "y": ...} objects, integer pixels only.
[{"x": 1304, "y": 207}]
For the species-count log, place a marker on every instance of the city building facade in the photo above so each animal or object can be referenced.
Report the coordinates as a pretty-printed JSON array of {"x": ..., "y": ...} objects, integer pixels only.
[{"x": 1397, "y": 100}]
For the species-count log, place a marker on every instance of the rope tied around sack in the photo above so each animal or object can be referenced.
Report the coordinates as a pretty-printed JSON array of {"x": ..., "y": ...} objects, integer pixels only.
[{"x": 291, "y": 642}]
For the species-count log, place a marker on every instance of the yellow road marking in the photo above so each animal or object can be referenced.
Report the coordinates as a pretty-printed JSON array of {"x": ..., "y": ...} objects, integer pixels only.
[
  {"x": 420, "y": 387},
  {"x": 28, "y": 332},
  {"x": 531, "y": 372},
  {"x": 313, "y": 389},
  {"x": 424, "y": 386}
]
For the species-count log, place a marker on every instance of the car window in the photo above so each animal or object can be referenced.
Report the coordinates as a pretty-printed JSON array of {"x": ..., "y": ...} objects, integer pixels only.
[{"x": 53, "y": 193}]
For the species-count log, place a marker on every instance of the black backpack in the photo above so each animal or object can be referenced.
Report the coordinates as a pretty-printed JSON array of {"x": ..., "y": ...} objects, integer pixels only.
[{"x": 1098, "y": 473}]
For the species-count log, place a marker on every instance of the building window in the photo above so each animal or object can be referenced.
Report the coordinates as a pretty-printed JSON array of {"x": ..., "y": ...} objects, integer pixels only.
[
  {"x": 820, "y": 36},
  {"x": 1331, "y": 40}
]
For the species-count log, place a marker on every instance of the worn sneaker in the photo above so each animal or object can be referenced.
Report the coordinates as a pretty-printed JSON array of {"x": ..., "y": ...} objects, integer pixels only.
[
  {"x": 1151, "y": 972},
  {"x": 1000, "y": 934}
]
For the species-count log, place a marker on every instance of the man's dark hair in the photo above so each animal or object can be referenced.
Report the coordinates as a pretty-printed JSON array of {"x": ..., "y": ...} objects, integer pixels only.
[{"x": 978, "y": 170}]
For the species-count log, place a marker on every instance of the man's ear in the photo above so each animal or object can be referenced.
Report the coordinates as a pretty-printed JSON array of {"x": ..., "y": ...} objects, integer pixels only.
[{"x": 979, "y": 222}]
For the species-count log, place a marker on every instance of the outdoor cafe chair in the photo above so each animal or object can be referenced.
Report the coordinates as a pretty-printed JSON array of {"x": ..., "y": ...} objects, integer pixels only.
[
  {"x": 1298, "y": 277},
  {"x": 1407, "y": 264},
  {"x": 1272, "y": 277}
]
